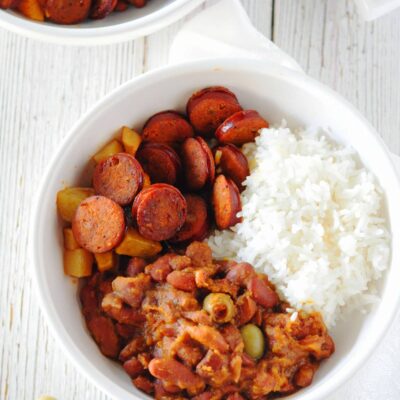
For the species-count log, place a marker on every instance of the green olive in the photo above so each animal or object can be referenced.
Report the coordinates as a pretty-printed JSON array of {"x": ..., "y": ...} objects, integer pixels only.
[
  {"x": 220, "y": 306},
  {"x": 253, "y": 339}
]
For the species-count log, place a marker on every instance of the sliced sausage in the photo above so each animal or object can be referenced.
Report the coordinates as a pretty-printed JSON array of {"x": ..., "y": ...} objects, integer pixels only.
[
  {"x": 160, "y": 211},
  {"x": 167, "y": 127},
  {"x": 196, "y": 223},
  {"x": 9, "y": 3},
  {"x": 138, "y": 3},
  {"x": 226, "y": 202},
  {"x": 209, "y": 107},
  {"x": 98, "y": 224},
  {"x": 119, "y": 178},
  {"x": 66, "y": 11},
  {"x": 121, "y": 6},
  {"x": 160, "y": 162},
  {"x": 210, "y": 159},
  {"x": 198, "y": 163},
  {"x": 241, "y": 127},
  {"x": 101, "y": 8},
  {"x": 233, "y": 164}
]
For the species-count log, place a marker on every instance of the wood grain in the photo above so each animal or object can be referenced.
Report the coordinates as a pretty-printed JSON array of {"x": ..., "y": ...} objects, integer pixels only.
[
  {"x": 45, "y": 88},
  {"x": 358, "y": 59}
]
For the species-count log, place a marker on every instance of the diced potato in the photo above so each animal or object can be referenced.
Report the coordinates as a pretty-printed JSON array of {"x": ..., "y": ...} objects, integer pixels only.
[
  {"x": 69, "y": 199},
  {"x": 78, "y": 263},
  {"x": 135, "y": 245},
  {"x": 108, "y": 150},
  {"x": 130, "y": 139},
  {"x": 106, "y": 261},
  {"x": 69, "y": 240},
  {"x": 217, "y": 157},
  {"x": 31, "y": 9},
  {"x": 146, "y": 180}
]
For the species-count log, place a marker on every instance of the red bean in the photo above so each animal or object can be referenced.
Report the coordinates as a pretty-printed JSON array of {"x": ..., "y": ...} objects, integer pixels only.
[
  {"x": 262, "y": 293},
  {"x": 182, "y": 280}
]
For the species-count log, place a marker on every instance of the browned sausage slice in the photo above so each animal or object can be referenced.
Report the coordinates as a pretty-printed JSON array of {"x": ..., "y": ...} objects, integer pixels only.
[
  {"x": 226, "y": 202},
  {"x": 240, "y": 128},
  {"x": 9, "y": 3},
  {"x": 121, "y": 6},
  {"x": 67, "y": 11},
  {"x": 210, "y": 159},
  {"x": 233, "y": 164},
  {"x": 98, "y": 224},
  {"x": 160, "y": 162},
  {"x": 196, "y": 223},
  {"x": 119, "y": 178},
  {"x": 138, "y": 3},
  {"x": 160, "y": 211},
  {"x": 101, "y": 8},
  {"x": 209, "y": 107},
  {"x": 167, "y": 127},
  {"x": 198, "y": 163}
]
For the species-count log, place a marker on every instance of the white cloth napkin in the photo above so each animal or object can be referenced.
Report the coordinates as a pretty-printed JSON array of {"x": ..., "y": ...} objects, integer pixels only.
[{"x": 215, "y": 32}]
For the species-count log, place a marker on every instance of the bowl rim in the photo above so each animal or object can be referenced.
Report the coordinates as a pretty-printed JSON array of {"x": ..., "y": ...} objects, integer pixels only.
[
  {"x": 72, "y": 35},
  {"x": 300, "y": 79}
]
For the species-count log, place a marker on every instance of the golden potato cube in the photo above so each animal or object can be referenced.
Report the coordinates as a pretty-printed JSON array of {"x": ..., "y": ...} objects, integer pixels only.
[
  {"x": 78, "y": 263},
  {"x": 217, "y": 157},
  {"x": 146, "y": 180},
  {"x": 105, "y": 261},
  {"x": 31, "y": 9},
  {"x": 130, "y": 139},
  {"x": 108, "y": 150},
  {"x": 70, "y": 242},
  {"x": 135, "y": 245},
  {"x": 69, "y": 199}
]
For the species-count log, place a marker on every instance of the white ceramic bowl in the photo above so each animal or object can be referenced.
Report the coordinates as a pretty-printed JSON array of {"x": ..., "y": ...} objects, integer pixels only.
[
  {"x": 117, "y": 27},
  {"x": 276, "y": 93}
]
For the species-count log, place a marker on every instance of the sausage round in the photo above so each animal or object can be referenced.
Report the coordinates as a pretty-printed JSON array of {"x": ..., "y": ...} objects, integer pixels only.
[
  {"x": 196, "y": 224},
  {"x": 9, "y": 3},
  {"x": 160, "y": 211},
  {"x": 210, "y": 159},
  {"x": 101, "y": 8},
  {"x": 241, "y": 127},
  {"x": 198, "y": 163},
  {"x": 118, "y": 177},
  {"x": 233, "y": 164},
  {"x": 226, "y": 202},
  {"x": 209, "y": 107},
  {"x": 98, "y": 224},
  {"x": 67, "y": 11},
  {"x": 167, "y": 127},
  {"x": 160, "y": 162},
  {"x": 138, "y": 3}
]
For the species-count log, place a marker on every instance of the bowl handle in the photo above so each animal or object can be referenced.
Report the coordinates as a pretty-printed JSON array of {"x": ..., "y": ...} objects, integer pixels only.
[{"x": 224, "y": 30}]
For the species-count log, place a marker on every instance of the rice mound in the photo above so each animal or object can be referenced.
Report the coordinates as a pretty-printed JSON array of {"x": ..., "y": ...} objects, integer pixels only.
[{"x": 312, "y": 221}]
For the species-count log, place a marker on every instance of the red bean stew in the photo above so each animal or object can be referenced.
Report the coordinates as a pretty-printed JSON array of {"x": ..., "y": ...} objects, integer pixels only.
[
  {"x": 182, "y": 324},
  {"x": 67, "y": 12}
]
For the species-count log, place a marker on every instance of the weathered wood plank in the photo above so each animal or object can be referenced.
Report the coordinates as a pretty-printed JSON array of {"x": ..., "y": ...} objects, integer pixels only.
[{"x": 361, "y": 60}]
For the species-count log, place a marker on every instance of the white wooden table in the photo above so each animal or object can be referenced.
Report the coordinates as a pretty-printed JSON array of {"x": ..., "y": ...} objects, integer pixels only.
[{"x": 45, "y": 88}]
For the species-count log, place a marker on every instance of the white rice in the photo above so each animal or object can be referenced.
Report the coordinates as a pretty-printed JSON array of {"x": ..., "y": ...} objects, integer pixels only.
[{"x": 312, "y": 221}]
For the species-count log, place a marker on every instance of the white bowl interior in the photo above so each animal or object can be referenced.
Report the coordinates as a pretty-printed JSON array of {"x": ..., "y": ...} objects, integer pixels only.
[{"x": 276, "y": 94}]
